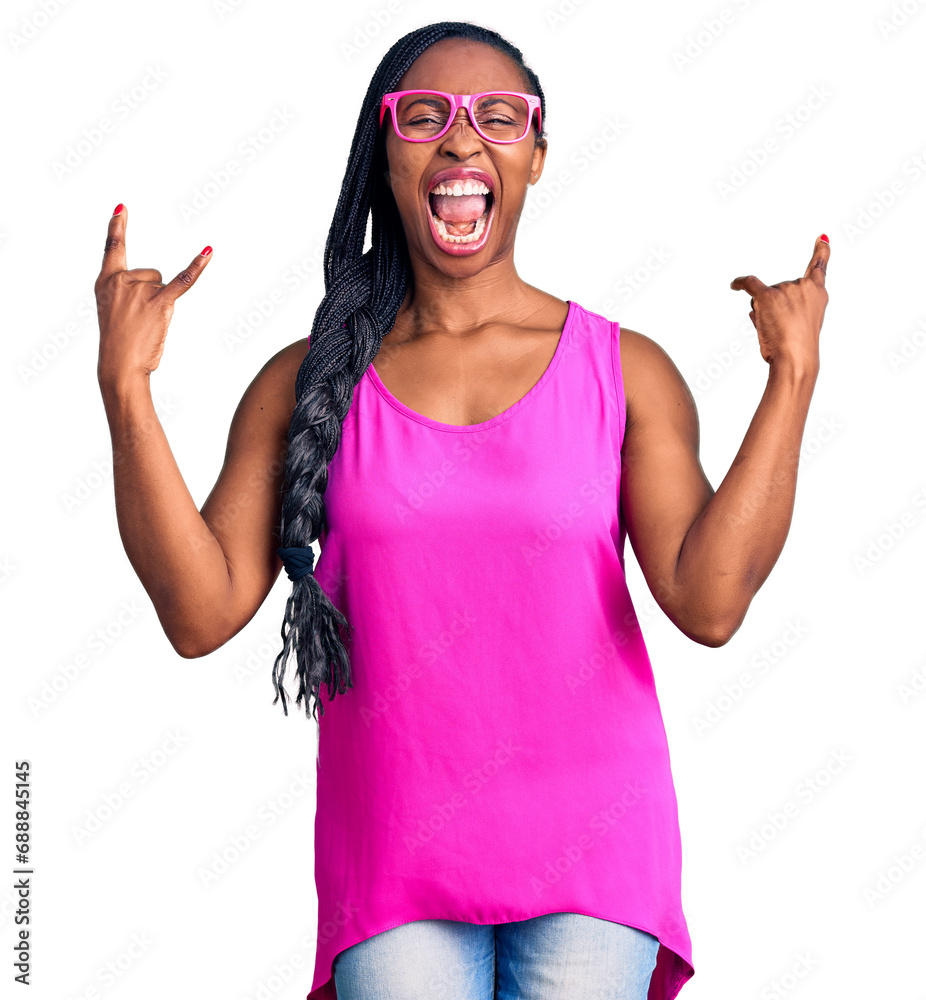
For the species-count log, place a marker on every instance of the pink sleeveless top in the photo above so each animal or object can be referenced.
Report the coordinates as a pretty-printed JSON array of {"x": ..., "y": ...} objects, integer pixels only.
[{"x": 502, "y": 753}]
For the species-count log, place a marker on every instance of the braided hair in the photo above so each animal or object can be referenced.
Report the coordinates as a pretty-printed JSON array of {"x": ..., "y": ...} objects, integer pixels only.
[{"x": 363, "y": 293}]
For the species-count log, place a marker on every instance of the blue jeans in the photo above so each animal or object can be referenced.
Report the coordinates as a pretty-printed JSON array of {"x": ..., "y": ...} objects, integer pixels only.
[{"x": 551, "y": 957}]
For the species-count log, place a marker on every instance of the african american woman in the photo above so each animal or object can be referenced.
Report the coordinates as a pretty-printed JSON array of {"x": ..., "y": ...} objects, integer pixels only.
[{"x": 496, "y": 815}]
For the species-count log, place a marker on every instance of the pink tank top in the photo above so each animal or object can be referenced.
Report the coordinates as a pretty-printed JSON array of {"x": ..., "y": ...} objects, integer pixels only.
[{"x": 502, "y": 753}]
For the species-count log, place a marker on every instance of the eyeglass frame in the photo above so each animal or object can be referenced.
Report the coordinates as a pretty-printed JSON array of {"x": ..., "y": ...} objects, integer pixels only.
[{"x": 458, "y": 101}]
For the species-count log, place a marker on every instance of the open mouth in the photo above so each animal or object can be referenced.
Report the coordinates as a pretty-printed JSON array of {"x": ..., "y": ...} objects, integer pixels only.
[{"x": 460, "y": 210}]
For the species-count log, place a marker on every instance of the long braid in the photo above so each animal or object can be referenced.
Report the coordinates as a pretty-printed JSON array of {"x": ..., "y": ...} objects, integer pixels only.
[{"x": 363, "y": 293}]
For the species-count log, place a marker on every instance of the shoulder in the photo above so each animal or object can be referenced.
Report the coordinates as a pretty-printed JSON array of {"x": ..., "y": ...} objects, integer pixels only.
[
  {"x": 273, "y": 388},
  {"x": 653, "y": 384}
]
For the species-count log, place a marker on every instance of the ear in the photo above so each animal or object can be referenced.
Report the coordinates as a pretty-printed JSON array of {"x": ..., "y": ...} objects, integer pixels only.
[{"x": 540, "y": 155}]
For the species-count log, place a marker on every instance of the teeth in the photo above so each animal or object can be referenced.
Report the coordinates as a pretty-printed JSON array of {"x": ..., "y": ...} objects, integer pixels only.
[
  {"x": 461, "y": 187},
  {"x": 471, "y": 238},
  {"x": 458, "y": 187}
]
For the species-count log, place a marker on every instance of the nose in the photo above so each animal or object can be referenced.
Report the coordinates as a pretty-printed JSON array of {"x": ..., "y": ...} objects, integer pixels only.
[{"x": 461, "y": 139}]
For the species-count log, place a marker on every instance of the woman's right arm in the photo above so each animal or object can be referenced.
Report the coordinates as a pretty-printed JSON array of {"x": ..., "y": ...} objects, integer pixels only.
[{"x": 207, "y": 572}]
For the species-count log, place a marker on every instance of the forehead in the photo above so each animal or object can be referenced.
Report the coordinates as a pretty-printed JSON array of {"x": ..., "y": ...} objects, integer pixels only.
[{"x": 462, "y": 66}]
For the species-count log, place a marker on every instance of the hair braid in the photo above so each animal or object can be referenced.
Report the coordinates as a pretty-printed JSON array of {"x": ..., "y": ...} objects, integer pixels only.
[{"x": 363, "y": 293}]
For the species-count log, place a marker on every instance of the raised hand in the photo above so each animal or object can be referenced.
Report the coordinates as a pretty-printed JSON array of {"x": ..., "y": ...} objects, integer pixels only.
[
  {"x": 135, "y": 307},
  {"x": 788, "y": 316}
]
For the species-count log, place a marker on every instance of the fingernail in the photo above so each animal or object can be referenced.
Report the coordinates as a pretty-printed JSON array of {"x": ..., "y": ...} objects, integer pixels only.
[
  {"x": 825, "y": 238},
  {"x": 118, "y": 209},
  {"x": 206, "y": 252}
]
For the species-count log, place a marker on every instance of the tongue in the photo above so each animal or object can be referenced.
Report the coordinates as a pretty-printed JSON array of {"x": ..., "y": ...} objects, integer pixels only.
[{"x": 459, "y": 208}]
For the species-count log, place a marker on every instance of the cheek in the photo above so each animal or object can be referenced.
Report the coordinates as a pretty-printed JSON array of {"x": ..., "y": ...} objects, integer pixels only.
[
  {"x": 404, "y": 169},
  {"x": 404, "y": 180}
]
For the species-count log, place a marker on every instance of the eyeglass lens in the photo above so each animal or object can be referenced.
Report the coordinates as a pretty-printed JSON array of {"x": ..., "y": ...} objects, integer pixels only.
[{"x": 497, "y": 116}]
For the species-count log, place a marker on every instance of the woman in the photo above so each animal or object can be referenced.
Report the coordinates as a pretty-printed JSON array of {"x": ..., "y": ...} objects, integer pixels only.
[{"x": 495, "y": 814}]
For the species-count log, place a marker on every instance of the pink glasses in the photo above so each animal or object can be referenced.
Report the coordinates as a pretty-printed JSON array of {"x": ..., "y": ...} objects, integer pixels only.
[{"x": 425, "y": 115}]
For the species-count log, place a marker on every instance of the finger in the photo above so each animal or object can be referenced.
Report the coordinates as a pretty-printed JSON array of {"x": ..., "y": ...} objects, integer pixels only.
[
  {"x": 146, "y": 274},
  {"x": 114, "y": 248},
  {"x": 816, "y": 269},
  {"x": 187, "y": 277},
  {"x": 750, "y": 283}
]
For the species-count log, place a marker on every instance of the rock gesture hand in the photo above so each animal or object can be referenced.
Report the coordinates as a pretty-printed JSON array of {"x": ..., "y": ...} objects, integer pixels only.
[
  {"x": 788, "y": 316},
  {"x": 135, "y": 307}
]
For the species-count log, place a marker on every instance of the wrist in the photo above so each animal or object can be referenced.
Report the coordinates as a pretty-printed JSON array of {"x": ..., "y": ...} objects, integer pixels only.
[
  {"x": 118, "y": 387},
  {"x": 793, "y": 370}
]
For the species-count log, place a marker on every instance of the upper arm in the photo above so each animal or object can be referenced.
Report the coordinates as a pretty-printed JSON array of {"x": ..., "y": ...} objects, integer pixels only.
[
  {"x": 663, "y": 487},
  {"x": 243, "y": 510}
]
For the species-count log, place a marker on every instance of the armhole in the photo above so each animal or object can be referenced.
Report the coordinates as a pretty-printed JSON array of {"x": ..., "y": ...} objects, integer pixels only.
[{"x": 618, "y": 374}]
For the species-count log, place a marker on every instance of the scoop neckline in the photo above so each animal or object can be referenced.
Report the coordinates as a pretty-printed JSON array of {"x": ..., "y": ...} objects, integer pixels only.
[{"x": 499, "y": 418}]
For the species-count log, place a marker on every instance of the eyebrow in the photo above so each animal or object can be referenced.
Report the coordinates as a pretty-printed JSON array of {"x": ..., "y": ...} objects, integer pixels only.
[
  {"x": 498, "y": 100},
  {"x": 433, "y": 100},
  {"x": 429, "y": 99}
]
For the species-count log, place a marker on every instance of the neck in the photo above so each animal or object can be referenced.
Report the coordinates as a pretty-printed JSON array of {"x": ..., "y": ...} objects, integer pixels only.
[{"x": 457, "y": 306}]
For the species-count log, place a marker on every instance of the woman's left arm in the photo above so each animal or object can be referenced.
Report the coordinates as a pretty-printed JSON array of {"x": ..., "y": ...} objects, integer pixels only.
[{"x": 726, "y": 542}]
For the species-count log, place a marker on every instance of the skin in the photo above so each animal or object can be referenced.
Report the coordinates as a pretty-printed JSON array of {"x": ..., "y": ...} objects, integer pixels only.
[{"x": 470, "y": 339}]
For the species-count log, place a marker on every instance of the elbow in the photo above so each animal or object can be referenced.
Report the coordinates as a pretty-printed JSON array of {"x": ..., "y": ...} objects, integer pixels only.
[
  {"x": 194, "y": 643},
  {"x": 711, "y": 619},
  {"x": 191, "y": 646},
  {"x": 712, "y": 632},
  {"x": 713, "y": 637},
  {"x": 189, "y": 650},
  {"x": 196, "y": 629}
]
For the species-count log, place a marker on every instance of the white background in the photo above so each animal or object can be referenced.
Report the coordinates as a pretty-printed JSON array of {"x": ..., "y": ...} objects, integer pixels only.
[{"x": 849, "y": 688}]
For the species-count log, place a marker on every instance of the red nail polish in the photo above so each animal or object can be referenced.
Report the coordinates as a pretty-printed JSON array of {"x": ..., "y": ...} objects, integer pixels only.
[
  {"x": 825, "y": 238},
  {"x": 206, "y": 252},
  {"x": 118, "y": 208}
]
